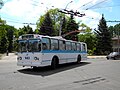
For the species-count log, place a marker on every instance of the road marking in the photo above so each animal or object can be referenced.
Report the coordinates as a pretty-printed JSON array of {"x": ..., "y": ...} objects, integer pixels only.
[{"x": 90, "y": 80}]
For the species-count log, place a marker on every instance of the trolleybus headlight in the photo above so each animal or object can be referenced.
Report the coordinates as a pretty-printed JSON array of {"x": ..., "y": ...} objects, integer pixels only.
[
  {"x": 36, "y": 58},
  {"x": 19, "y": 58}
]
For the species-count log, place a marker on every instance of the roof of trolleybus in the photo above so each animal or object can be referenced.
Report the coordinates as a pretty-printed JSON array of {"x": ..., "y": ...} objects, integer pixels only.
[{"x": 37, "y": 36}]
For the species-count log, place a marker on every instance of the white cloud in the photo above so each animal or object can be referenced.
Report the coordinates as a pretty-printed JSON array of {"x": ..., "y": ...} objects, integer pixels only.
[{"x": 30, "y": 10}]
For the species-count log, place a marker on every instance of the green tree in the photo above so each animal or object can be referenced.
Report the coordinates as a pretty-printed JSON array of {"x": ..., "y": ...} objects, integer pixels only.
[
  {"x": 10, "y": 36},
  {"x": 89, "y": 38},
  {"x": 112, "y": 31},
  {"x": 115, "y": 30},
  {"x": 71, "y": 26},
  {"x": 56, "y": 18},
  {"x": 3, "y": 37},
  {"x": 64, "y": 24},
  {"x": 25, "y": 30},
  {"x": 104, "y": 42},
  {"x": 47, "y": 27}
]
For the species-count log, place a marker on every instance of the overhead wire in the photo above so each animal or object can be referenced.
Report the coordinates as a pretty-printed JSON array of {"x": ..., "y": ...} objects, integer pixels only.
[
  {"x": 85, "y": 4},
  {"x": 95, "y": 5},
  {"x": 106, "y": 7},
  {"x": 91, "y": 7}
]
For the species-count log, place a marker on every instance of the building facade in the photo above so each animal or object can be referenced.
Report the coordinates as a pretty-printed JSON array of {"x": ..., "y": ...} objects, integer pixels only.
[{"x": 116, "y": 44}]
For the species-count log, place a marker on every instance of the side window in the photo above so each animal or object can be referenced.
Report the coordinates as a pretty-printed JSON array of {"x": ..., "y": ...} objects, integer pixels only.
[
  {"x": 61, "y": 45},
  {"x": 74, "y": 46},
  {"x": 45, "y": 43},
  {"x": 54, "y": 44},
  {"x": 83, "y": 47},
  {"x": 68, "y": 45},
  {"x": 78, "y": 47}
]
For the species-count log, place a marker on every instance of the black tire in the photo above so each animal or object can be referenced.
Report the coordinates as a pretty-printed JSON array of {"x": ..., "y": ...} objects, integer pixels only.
[
  {"x": 107, "y": 58},
  {"x": 54, "y": 63},
  {"x": 35, "y": 68},
  {"x": 115, "y": 58},
  {"x": 78, "y": 59}
]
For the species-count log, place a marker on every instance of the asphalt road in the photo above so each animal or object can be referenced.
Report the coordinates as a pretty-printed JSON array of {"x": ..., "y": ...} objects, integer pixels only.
[{"x": 93, "y": 74}]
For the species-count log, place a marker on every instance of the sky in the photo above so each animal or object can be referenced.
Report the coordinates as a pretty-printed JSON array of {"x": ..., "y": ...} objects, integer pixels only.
[{"x": 18, "y": 12}]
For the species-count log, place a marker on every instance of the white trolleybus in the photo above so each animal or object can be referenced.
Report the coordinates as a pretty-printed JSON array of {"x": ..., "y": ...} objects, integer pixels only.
[{"x": 38, "y": 51}]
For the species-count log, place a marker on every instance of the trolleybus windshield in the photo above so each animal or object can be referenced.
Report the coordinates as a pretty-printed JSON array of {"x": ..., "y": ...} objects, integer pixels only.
[{"x": 32, "y": 45}]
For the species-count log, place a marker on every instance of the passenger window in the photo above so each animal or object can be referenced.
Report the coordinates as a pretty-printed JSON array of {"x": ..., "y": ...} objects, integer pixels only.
[
  {"x": 74, "y": 46},
  {"x": 78, "y": 47},
  {"x": 45, "y": 43},
  {"x": 68, "y": 45},
  {"x": 54, "y": 44},
  {"x": 61, "y": 45},
  {"x": 83, "y": 47}
]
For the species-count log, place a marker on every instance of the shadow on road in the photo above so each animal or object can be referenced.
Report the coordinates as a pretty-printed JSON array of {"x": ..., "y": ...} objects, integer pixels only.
[{"x": 45, "y": 71}]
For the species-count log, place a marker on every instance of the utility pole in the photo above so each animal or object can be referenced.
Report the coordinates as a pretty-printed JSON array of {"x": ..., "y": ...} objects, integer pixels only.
[{"x": 61, "y": 21}]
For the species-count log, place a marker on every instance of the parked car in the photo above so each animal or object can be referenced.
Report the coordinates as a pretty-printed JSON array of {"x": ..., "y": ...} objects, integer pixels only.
[{"x": 113, "y": 55}]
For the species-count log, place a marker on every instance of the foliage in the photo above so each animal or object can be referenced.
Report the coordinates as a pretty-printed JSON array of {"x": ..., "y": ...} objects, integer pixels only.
[
  {"x": 104, "y": 42},
  {"x": 25, "y": 30},
  {"x": 89, "y": 38},
  {"x": 3, "y": 37},
  {"x": 115, "y": 30},
  {"x": 3, "y": 40},
  {"x": 10, "y": 36},
  {"x": 111, "y": 29}
]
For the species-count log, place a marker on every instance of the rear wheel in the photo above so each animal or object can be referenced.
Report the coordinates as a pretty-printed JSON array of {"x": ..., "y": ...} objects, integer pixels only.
[
  {"x": 35, "y": 68},
  {"x": 78, "y": 59},
  {"x": 54, "y": 63},
  {"x": 107, "y": 58}
]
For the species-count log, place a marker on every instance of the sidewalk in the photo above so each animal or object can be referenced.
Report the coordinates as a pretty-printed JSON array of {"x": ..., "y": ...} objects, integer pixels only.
[
  {"x": 5, "y": 57},
  {"x": 93, "y": 57}
]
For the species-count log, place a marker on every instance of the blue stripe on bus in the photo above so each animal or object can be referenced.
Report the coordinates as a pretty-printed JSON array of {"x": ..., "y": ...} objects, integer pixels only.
[
  {"x": 60, "y": 59},
  {"x": 45, "y": 60},
  {"x": 57, "y": 51},
  {"x": 62, "y": 51}
]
